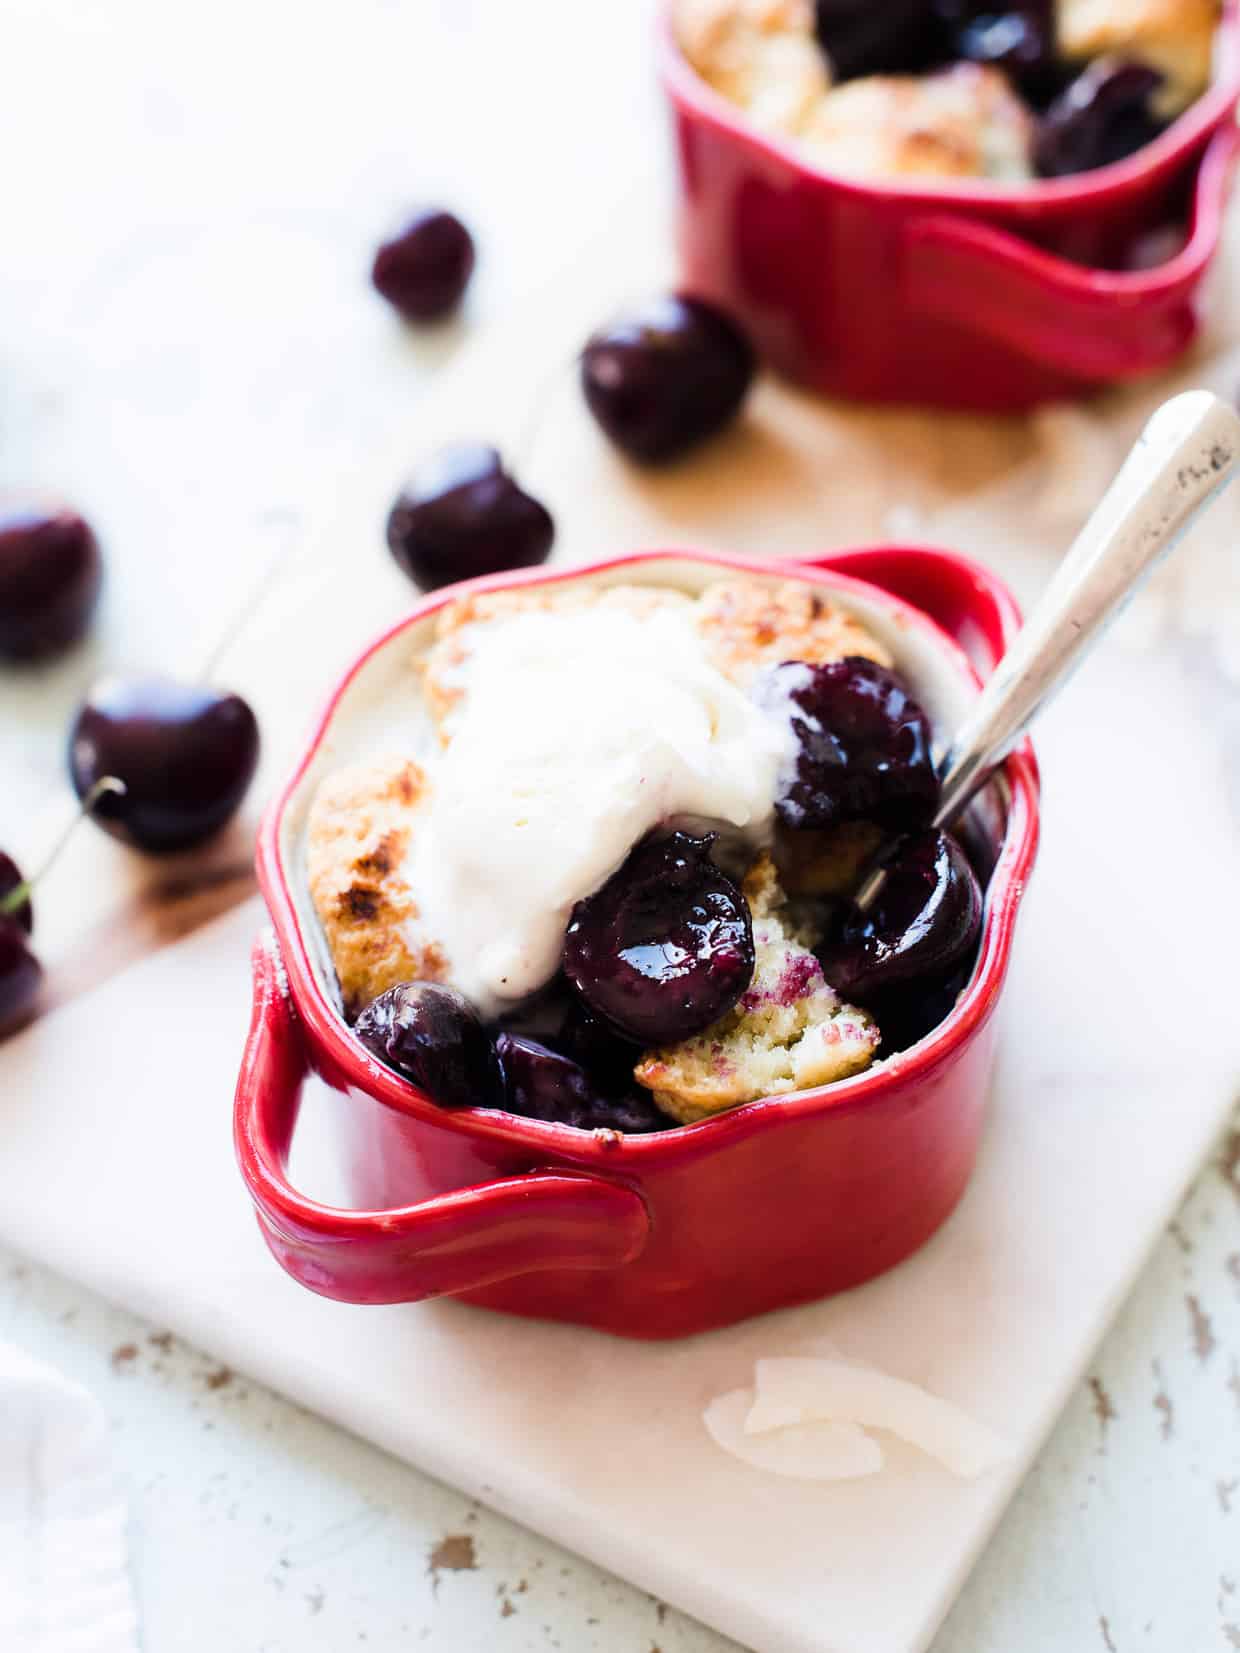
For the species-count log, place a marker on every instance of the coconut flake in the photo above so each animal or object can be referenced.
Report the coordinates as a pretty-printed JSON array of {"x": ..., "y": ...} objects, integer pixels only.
[
  {"x": 820, "y": 1451},
  {"x": 795, "y": 1392}
]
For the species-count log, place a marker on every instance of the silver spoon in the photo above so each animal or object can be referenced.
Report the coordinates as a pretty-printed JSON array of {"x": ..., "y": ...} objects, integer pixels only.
[{"x": 1182, "y": 461}]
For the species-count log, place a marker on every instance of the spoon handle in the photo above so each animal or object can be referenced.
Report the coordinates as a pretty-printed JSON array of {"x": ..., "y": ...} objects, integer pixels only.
[{"x": 1184, "y": 458}]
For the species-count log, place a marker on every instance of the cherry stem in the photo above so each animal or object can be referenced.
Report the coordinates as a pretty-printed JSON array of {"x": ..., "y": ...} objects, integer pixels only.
[
  {"x": 18, "y": 897},
  {"x": 254, "y": 595}
]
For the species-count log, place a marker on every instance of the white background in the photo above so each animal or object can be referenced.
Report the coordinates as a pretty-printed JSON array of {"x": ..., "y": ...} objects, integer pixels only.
[{"x": 191, "y": 197}]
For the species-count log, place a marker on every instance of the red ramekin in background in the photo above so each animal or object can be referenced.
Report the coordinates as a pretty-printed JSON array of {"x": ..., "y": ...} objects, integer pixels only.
[{"x": 969, "y": 295}]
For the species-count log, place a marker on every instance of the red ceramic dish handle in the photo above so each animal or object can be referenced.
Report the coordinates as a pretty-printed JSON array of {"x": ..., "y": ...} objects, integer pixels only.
[
  {"x": 1091, "y": 324},
  {"x": 455, "y": 1242}
]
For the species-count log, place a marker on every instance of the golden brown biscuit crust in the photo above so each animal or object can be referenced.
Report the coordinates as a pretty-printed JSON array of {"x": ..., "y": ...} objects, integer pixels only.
[
  {"x": 963, "y": 122},
  {"x": 749, "y": 626},
  {"x": 358, "y": 834}
]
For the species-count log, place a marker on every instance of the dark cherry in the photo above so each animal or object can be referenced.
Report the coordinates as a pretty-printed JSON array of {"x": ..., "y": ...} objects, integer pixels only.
[
  {"x": 1019, "y": 39},
  {"x": 461, "y": 514},
  {"x": 425, "y": 270},
  {"x": 541, "y": 1083},
  {"x": 880, "y": 37},
  {"x": 906, "y": 1014},
  {"x": 541, "y": 1015},
  {"x": 597, "y": 1047},
  {"x": 50, "y": 574},
  {"x": 10, "y": 880},
  {"x": 925, "y": 919},
  {"x": 865, "y": 746},
  {"x": 1103, "y": 115},
  {"x": 665, "y": 947},
  {"x": 184, "y": 753},
  {"x": 666, "y": 376},
  {"x": 431, "y": 1035},
  {"x": 21, "y": 975}
]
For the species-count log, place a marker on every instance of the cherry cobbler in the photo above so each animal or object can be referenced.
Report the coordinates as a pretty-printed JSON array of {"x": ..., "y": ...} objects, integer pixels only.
[
  {"x": 614, "y": 890},
  {"x": 1008, "y": 90}
]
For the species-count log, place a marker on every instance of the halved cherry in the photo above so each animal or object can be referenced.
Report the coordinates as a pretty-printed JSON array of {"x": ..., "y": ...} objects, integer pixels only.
[
  {"x": 665, "y": 947},
  {"x": 923, "y": 922}
]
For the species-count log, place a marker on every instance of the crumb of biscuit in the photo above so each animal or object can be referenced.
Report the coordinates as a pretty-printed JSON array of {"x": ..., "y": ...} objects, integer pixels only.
[
  {"x": 789, "y": 1032},
  {"x": 357, "y": 837},
  {"x": 749, "y": 626}
]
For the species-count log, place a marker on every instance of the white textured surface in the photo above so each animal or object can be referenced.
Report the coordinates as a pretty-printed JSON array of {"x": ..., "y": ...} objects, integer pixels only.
[
  {"x": 64, "y": 1561},
  {"x": 186, "y": 338},
  {"x": 1107, "y": 1097}
]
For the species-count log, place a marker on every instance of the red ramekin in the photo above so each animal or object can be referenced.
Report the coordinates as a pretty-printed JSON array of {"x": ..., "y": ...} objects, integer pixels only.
[
  {"x": 973, "y": 295},
  {"x": 655, "y": 1236}
]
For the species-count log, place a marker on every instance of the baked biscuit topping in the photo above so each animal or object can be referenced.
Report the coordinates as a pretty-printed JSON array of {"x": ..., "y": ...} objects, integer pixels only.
[
  {"x": 360, "y": 829},
  {"x": 966, "y": 114},
  {"x": 965, "y": 122}
]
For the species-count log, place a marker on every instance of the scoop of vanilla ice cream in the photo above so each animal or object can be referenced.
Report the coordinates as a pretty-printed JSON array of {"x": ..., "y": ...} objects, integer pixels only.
[{"x": 579, "y": 734}]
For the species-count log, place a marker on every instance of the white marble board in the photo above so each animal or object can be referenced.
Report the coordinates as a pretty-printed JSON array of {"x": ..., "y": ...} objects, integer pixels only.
[{"x": 1117, "y": 1068}]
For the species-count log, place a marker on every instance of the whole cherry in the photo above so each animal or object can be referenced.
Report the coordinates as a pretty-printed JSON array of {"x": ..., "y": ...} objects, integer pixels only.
[
  {"x": 664, "y": 377},
  {"x": 15, "y": 893},
  {"x": 431, "y": 1035},
  {"x": 50, "y": 575},
  {"x": 1017, "y": 36},
  {"x": 21, "y": 974},
  {"x": 542, "y": 1083},
  {"x": 185, "y": 754},
  {"x": 1104, "y": 115},
  {"x": 424, "y": 270},
  {"x": 461, "y": 514},
  {"x": 879, "y": 37}
]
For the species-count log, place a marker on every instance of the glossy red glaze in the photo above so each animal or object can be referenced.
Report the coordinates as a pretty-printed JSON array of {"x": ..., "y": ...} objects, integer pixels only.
[
  {"x": 975, "y": 295},
  {"x": 656, "y": 1236}
]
